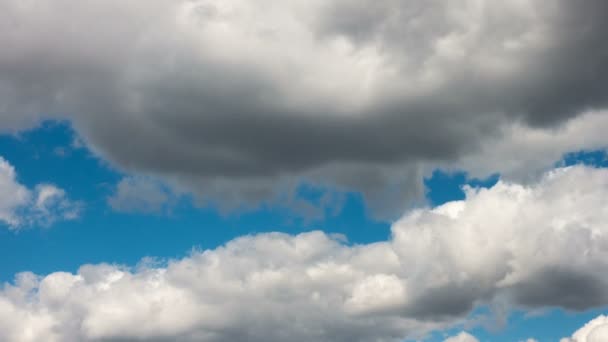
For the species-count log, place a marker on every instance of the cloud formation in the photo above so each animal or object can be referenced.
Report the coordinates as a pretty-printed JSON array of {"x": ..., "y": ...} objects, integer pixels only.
[
  {"x": 594, "y": 331},
  {"x": 518, "y": 245},
  {"x": 231, "y": 99},
  {"x": 43, "y": 205}
]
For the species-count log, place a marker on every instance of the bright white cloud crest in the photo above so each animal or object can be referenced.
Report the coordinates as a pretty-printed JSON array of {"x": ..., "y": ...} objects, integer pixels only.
[{"x": 517, "y": 244}]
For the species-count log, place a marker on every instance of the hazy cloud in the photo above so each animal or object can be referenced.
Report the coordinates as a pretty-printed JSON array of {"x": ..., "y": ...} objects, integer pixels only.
[{"x": 141, "y": 195}]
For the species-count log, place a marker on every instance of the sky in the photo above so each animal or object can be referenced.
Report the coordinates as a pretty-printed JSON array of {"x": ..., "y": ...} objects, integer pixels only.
[{"x": 205, "y": 170}]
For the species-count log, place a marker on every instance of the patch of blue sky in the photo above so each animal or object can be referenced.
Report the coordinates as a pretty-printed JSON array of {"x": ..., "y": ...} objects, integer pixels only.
[
  {"x": 549, "y": 325},
  {"x": 591, "y": 158}
]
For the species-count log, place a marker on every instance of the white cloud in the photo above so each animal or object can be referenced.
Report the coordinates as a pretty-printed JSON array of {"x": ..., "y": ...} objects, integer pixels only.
[
  {"x": 12, "y": 194},
  {"x": 532, "y": 151},
  {"x": 462, "y": 337},
  {"x": 594, "y": 331},
  {"x": 43, "y": 205},
  {"x": 534, "y": 246}
]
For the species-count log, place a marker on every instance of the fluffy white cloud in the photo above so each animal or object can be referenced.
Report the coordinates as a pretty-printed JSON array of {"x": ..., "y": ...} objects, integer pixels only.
[
  {"x": 43, "y": 205},
  {"x": 462, "y": 337},
  {"x": 528, "y": 246},
  {"x": 594, "y": 331}
]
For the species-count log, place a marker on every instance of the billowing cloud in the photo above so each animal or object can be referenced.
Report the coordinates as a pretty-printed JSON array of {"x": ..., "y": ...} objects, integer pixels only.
[
  {"x": 594, "y": 331},
  {"x": 43, "y": 205},
  {"x": 534, "y": 246},
  {"x": 232, "y": 99}
]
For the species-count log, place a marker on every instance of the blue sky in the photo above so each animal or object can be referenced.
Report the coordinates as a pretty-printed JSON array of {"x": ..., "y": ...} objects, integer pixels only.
[{"x": 103, "y": 235}]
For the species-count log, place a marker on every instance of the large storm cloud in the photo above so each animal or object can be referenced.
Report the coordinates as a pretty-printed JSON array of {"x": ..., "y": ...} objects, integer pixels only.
[{"x": 232, "y": 99}]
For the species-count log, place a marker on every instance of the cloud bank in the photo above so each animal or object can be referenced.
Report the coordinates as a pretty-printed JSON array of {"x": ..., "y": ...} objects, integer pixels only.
[
  {"x": 537, "y": 246},
  {"x": 42, "y": 205},
  {"x": 233, "y": 100}
]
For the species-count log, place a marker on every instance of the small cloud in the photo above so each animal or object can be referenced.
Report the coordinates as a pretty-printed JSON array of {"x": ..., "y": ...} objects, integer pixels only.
[
  {"x": 41, "y": 206},
  {"x": 141, "y": 195},
  {"x": 60, "y": 151},
  {"x": 51, "y": 204}
]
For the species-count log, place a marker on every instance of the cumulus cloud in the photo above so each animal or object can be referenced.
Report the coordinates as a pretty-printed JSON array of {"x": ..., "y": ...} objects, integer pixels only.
[
  {"x": 232, "y": 99},
  {"x": 594, "y": 331},
  {"x": 534, "y": 246},
  {"x": 43, "y": 205}
]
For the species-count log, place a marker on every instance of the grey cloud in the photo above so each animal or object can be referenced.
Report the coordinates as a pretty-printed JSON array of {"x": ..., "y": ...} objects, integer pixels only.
[
  {"x": 227, "y": 92},
  {"x": 569, "y": 288}
]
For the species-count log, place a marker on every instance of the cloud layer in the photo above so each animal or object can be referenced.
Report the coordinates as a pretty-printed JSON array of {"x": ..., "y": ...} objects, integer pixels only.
[
  {"x": 43, "y": 205},
  {"x": 524, "y": 246},
  {"x": 233, "y": 100}
]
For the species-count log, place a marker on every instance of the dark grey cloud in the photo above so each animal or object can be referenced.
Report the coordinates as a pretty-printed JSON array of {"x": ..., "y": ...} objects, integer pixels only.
[
  {"x": 572, "y": 289},
  {"x": 205, "y": 93}
]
